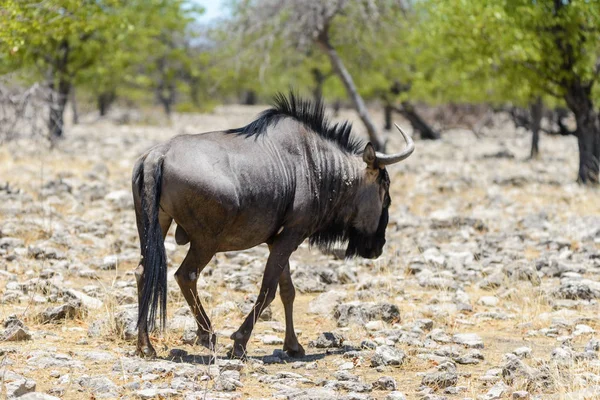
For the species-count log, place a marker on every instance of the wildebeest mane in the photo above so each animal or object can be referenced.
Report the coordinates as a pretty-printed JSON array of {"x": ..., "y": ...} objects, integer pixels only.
[
  {"x": 330, "y": 236},
  {"x": 308, "y": 112}
]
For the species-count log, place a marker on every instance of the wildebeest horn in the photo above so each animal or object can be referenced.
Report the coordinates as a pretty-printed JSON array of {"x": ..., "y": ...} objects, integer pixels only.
[{"x": 387, "y": 159}]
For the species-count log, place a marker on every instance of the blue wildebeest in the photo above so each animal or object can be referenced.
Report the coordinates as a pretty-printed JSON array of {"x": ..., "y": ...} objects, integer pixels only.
[{"x": 285, "y": 177}]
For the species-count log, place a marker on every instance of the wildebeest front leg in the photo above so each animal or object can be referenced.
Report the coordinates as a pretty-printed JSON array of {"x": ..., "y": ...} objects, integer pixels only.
[
  {"x": 278, "y": 260},
  {"x": 287, "y": 292},
  {"x": 187, "y": 279}
]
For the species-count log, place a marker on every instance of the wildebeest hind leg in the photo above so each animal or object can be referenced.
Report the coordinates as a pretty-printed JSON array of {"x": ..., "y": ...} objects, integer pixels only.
[
  {"x": 287, "y": 292},
  {"x": 187, "y": 278}
]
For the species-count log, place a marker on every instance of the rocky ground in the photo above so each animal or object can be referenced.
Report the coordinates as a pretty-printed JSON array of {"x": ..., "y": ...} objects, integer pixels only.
[{"x": 487, "y": 289}]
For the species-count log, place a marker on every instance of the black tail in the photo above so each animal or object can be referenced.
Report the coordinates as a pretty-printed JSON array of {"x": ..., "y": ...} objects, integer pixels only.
[{"x": 154, "y": 291}]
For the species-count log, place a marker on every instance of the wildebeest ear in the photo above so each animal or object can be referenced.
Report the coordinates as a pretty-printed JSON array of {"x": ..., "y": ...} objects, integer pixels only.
[{"x": 369, "y": 155}]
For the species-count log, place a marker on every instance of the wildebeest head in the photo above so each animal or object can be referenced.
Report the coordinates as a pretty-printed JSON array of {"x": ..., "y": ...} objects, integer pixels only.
[{"x": 366, "y": 237}]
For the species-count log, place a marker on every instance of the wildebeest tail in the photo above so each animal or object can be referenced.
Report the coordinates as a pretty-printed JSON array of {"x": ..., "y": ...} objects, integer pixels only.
[{"x": 154, "y": 259}]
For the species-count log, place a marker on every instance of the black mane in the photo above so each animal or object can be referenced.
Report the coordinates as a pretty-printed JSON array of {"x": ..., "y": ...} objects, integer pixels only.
[
  {"x": 331, "y": 236},
  {"x": 311, "y": 114}
]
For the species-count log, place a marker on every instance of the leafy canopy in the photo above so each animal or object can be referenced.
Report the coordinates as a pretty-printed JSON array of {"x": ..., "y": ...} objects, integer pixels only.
[
  {"x": 505, "y": 50},
  {"x": 98, "y": 42}
]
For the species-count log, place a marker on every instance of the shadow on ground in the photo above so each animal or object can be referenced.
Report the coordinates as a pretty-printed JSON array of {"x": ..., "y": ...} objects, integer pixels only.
[{"x": 278, "y": 357}]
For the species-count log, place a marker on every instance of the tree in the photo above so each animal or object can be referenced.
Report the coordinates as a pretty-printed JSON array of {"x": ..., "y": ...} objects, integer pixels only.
[
  {"x": 99, "y": 44},
  {"x": 195, "y": 64},
  {"x": 305, "y": 24},
  {"x": 519, "y": 50},
  {"x": 58, "y": 40},
  {"x": 384, "y": 67}
]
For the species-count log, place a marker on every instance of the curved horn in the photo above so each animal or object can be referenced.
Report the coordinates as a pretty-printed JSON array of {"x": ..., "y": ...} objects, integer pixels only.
[{"x": 387, "y": 159}]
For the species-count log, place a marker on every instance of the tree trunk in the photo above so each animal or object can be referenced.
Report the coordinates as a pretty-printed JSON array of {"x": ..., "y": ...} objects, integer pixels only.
[
  {"x": 346, "y": 78},
  {"x": 165, "y": 90},
  {"x": 60, "y": 86},
  {"x": 166, "y": 103},
  {"x": 408, "y": 111},
  {"x": 319, "y": 78},
  {"x": 166, "y": 96},
  {"x": 102, "y": 106},
  {"x": 536, "y": 109},
  {"x": 194, "y": 83},
  {"x": 105, "y": 100},
  {"x": 337, "y": 106},
  {"x": 249, "y": 98},
  {"x": 74, "y": 107},
  {"x": 57, "y": 108},
  {"x": 388, "y": 109},
  {"x": 579, "y": 100},
  {"x": 588, "y": 138}
]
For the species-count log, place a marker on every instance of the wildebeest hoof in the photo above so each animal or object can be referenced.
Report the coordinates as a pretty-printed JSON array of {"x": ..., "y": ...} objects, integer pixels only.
[
  {"x": 207, "y": 340},
  {"x": 145, "y": 352},
  {"x": 238, "y": 352},
  {"x": 296, "y": 351}
]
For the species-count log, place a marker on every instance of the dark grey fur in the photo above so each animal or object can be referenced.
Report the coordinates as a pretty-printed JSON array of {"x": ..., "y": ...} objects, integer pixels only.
[{"x": 287, "y": 176}]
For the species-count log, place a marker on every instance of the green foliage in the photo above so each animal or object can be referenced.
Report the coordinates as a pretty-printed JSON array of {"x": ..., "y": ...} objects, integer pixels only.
[
  {"x": 444, "y": 50},
  {"x": 477, "y": 51},
  {"x": 507, "y": 50},
  {"x": 241, "y": 64},
  {"x": 272, "y": 56},
  {"x": 60, "y": 37},
  {"x": 379, "y": 56},
  {"x": 100, "y": 45},
  {"x": 155, "y": 51},
  {"x": 206, "y": 106}
]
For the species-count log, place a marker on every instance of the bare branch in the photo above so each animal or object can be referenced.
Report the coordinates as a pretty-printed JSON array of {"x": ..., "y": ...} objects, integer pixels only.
[{"x": 24, "y": 111}]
